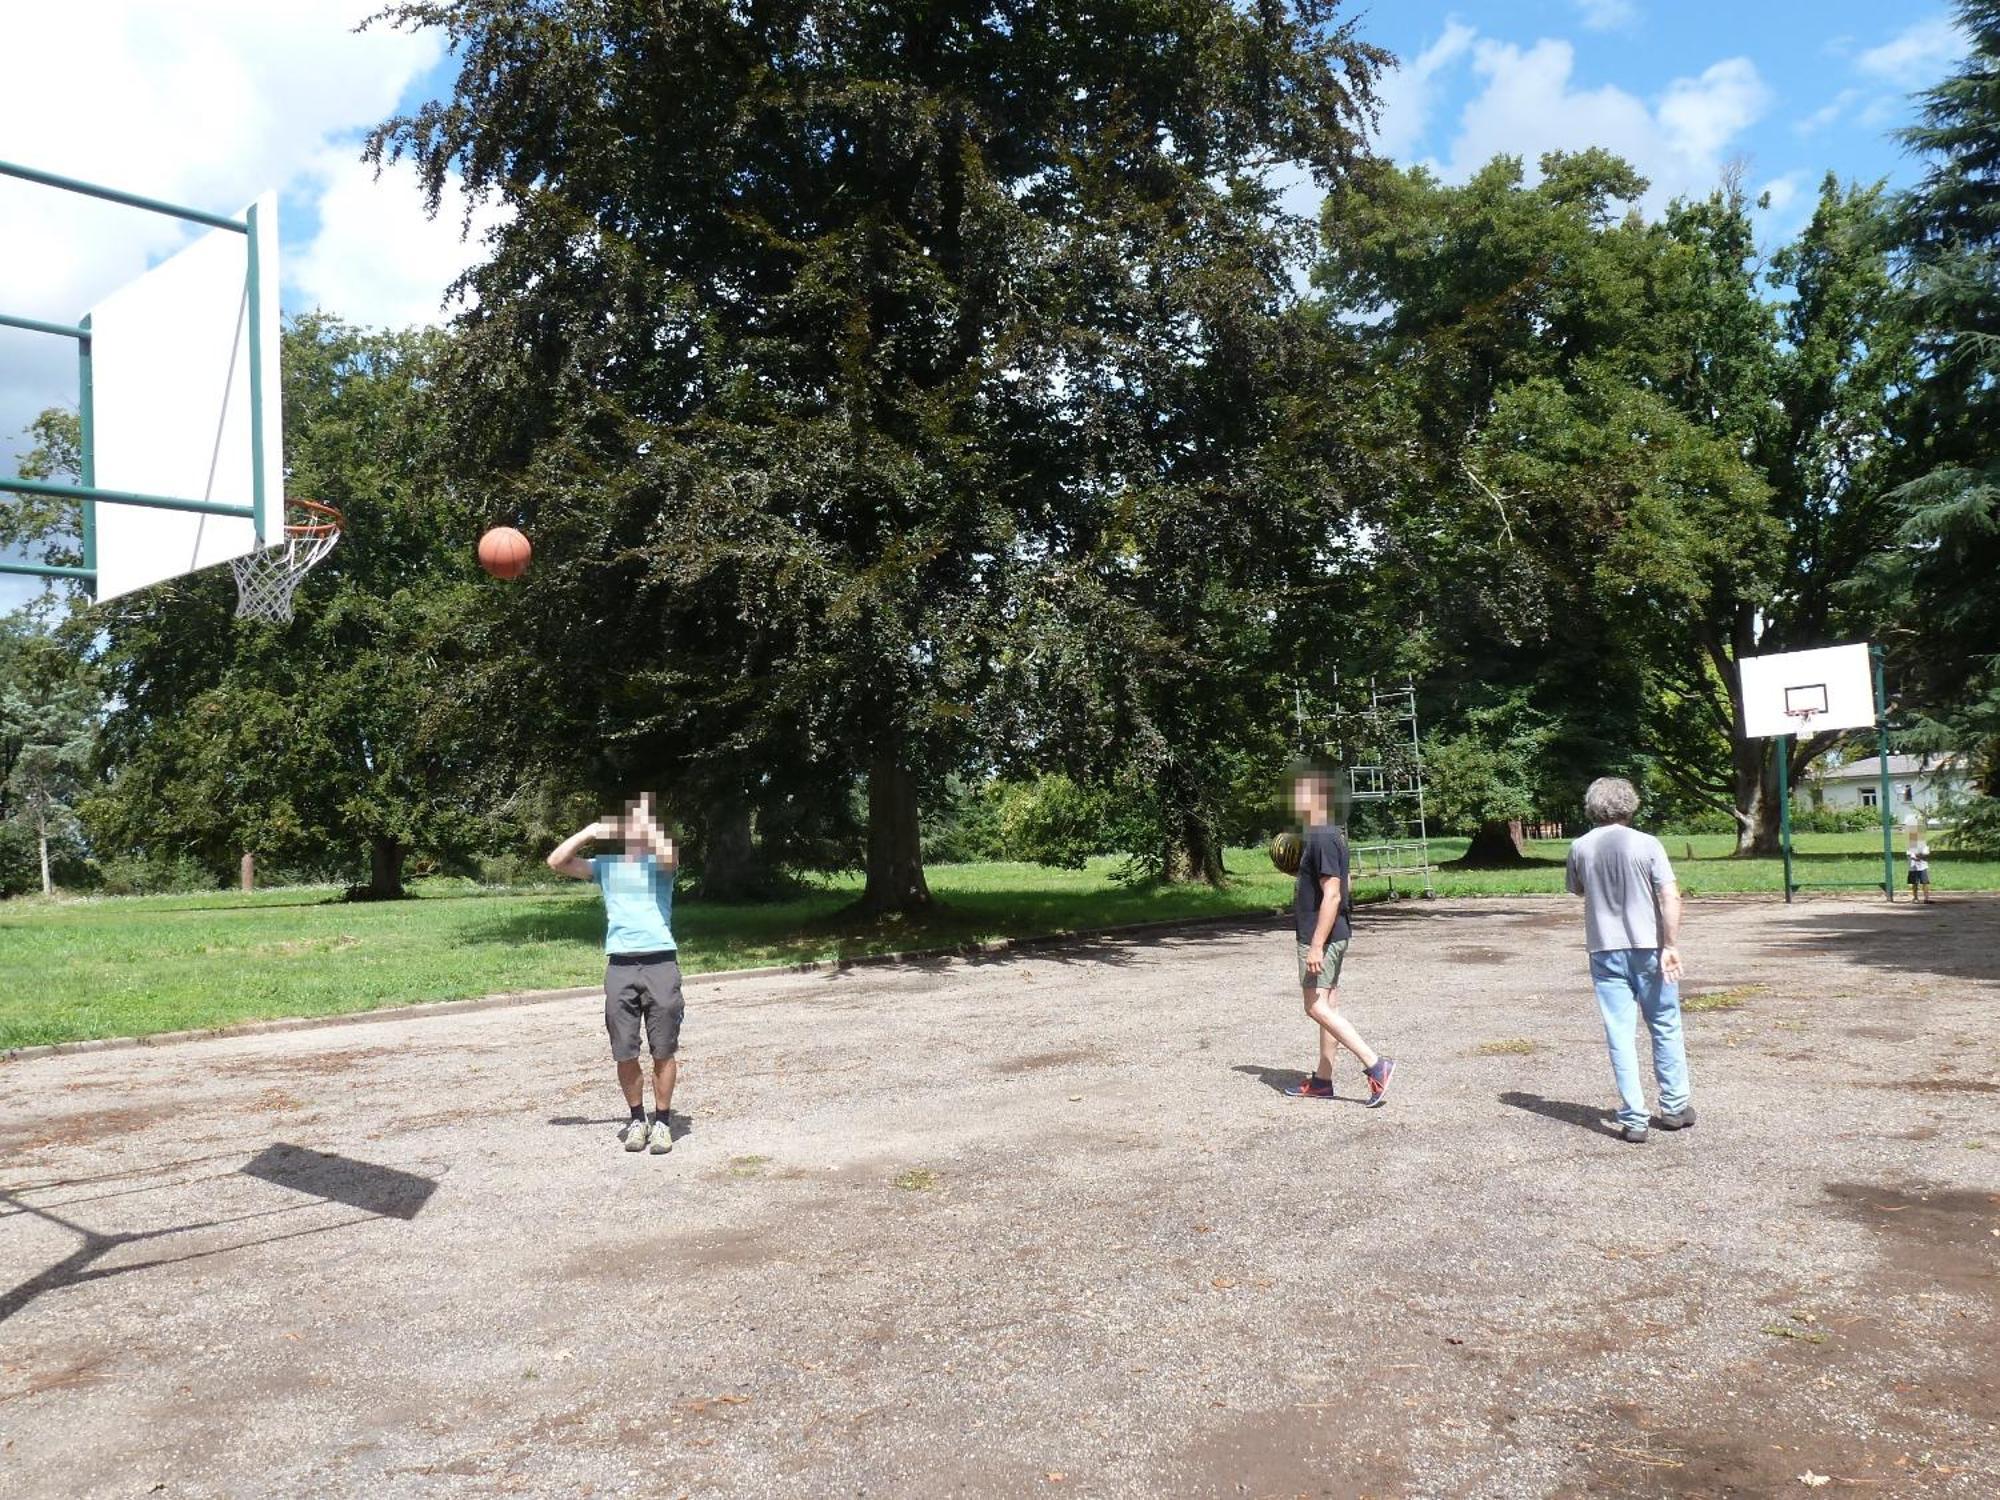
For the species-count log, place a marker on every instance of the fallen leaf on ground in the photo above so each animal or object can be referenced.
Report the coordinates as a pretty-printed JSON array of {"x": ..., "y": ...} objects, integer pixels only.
[{"x": 1813, "y": 1481}]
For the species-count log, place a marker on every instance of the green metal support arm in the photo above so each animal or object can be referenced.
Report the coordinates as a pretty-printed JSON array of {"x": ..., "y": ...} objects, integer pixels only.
[
  {"x": 48, "y": 570},
  {"x": 36, "y": 325},
  {"x": 124, "y": 497},
  {"x": 113, "y": 195}
]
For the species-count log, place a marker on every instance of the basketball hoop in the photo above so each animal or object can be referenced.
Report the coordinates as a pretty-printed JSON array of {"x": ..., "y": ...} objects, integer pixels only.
[
  {"x": 1804, "y": 716},
  {"x": 266, "y": 578}
]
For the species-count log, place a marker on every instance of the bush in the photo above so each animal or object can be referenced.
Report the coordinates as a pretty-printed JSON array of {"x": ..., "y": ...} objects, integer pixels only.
[
  {"x": 156, "y": 875},
  {"x": 963, "y": 827},
  {"x": 511, "y": 869},
  {"x": 1707, "y": 820},
  {"x": 1836, "y": 819},
  {"x": 1053, "y": 821}
]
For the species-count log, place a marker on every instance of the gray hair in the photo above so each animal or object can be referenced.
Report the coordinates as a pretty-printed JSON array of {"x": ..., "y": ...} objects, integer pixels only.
[{"x": 1610, "y": 799}]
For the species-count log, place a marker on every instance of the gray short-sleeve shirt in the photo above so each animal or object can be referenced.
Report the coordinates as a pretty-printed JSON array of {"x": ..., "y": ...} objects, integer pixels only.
[{"x": 1620, "y": 873}]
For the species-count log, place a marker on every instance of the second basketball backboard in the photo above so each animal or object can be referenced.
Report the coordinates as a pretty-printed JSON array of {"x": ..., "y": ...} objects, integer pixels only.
[{"x": 1804, "y": 692}]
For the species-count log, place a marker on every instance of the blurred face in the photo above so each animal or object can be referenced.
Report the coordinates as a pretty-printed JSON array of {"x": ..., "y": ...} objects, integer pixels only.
[
  {"x": 631, "y": 829},
  {"x": 1310, "y": 797}
]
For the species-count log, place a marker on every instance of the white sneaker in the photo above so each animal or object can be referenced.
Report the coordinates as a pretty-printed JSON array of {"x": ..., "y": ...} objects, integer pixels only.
[
  {"x": 634, "y": 1135},
  {"x": 661, "y": 1140}
]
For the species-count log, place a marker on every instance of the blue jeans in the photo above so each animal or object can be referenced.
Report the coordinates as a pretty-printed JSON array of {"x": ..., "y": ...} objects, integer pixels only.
[{"x": 1629, "y": 984}]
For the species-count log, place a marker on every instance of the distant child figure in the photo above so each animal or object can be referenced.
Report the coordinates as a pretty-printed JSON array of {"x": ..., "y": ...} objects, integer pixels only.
[
  {"x": 1322, "y": 899},
  {"x": 1920, "y": 867},
  {"x": 642, "y": 976}
]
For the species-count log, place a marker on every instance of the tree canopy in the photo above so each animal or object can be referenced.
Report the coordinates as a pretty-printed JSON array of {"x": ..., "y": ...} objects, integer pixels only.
[
  {"x": 826, "y": 346},
  {"x": 936, "y": 411}
]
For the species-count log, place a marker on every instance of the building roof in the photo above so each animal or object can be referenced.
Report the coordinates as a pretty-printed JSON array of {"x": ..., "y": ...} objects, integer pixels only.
[{"x": 1870, "y": 769}]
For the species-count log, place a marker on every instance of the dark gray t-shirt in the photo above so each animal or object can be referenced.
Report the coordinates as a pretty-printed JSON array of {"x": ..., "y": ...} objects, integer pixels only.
[
  {"x": 1620, "y": 873},
  {"x": 1325, "y": 853}
]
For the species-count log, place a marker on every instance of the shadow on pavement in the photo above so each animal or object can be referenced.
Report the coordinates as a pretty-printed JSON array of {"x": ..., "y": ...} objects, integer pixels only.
[
  {"x": 381, "y": 1192},
  {"x": 1956, "y": 937},
  {"x": 1590, "y": 1116},
  {"x": 1280, "y": 1079},
  {"x": 678, "y": 1124}
]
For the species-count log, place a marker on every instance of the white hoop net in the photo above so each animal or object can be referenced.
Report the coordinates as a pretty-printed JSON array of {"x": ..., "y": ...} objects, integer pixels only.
[{"x": 266, "y": 579}]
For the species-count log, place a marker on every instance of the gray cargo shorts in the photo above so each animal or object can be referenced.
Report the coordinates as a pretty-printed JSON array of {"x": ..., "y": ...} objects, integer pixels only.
[{"x": 643, "y": 987}]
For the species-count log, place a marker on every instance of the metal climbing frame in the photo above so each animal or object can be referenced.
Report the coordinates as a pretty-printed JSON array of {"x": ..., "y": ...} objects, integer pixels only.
[{"x": 1371, "y": 735}]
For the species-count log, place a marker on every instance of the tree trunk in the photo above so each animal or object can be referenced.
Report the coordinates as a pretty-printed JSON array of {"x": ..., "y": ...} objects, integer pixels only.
[
  {"x": 385, "y": 868},
  {"x": 42, "y": 841},
  {"x": 730, "y": 869},
  {"x": 1497, "y": 845},
  {"x": 247, "y": 872},
  {"x": 895, "y": 842},
  {"x": 1754, "y": 774},
  {"x": 1196, "y": 855}
]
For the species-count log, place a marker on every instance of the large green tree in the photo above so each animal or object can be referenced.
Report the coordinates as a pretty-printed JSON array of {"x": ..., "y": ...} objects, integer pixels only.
[
  {"x": 49, "y": 709},
  {"x": 787, "y": 341},
  {"x": 1936, "y": 582},
  {"x": 1636, "y": 453},
  {"x": 45, "y": 527},
  {"x": 1798, "y": 363},
  {"x": 1548, "y": 510}
]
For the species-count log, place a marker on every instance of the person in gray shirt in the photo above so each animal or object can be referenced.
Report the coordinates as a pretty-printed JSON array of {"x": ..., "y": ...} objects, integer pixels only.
[{"x": 1632, "y": 919}]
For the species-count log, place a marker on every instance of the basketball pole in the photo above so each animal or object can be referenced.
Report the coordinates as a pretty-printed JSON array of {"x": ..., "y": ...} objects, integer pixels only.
[
  {"x": 1785, "y": 809},
  {"x": 1875, "y": 657}
]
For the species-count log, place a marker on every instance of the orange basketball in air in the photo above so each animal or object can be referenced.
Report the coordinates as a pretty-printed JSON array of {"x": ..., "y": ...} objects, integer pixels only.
[{"x": 504, "y": 552}]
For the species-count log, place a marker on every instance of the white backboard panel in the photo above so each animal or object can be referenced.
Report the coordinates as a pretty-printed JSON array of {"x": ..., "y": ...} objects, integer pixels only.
[
  {"x": 1838, "y": 677},
  {"x": 170, "y": 409}
]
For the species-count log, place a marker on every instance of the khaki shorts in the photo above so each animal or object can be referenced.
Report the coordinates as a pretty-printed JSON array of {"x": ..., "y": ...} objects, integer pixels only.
[{"x": 1329, "y": 967}]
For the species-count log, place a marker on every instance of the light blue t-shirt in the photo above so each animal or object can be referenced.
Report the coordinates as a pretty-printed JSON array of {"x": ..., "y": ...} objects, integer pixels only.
[{"x": 638, "y": 903}]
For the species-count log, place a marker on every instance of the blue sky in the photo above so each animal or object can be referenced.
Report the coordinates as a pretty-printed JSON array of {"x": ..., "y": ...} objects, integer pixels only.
[
  {"x": 1790, "y": 89},
  {"x": 210, "y": 102}
]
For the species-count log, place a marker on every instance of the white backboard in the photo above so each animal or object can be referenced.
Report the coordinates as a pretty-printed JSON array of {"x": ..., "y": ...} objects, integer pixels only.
[
  {"x": 1836, "y": 680},
  {"x": 170, "y": 408}
]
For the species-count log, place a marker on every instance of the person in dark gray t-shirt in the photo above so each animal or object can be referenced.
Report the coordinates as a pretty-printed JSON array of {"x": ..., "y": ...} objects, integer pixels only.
[
  {"x": 1322, "y": 897},
  {"x": 1631, "y": 921}
]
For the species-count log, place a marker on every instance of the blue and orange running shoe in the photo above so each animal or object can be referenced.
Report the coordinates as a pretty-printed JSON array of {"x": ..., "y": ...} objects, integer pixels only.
[
  {"x": 1312, "y": 1086},
  {"x": 1378, "y": 1081}
]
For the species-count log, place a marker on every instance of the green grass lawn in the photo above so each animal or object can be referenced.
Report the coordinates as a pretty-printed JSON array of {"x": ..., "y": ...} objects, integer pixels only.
[{"x": 125, "y": 966}]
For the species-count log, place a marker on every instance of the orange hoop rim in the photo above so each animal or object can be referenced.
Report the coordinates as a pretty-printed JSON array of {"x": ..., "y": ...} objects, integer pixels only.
[{"x": 328, "y": 523}]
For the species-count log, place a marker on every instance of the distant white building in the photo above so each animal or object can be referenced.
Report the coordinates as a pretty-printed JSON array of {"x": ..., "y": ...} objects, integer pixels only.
[{"x": 1917, "y": 783}]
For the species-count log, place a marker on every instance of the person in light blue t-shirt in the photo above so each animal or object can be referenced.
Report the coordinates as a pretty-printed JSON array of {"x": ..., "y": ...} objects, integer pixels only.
[{"x": 642, "y": 975}]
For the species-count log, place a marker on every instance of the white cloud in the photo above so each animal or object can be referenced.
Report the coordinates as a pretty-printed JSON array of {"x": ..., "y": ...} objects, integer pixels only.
[
  {"x": 1917, "y": 56},
  {"x": 1410, "y": 92},
  {"x": 1606, "y": 15},
  {"x": 204, "y": 102},
  {"x": 376, "y": 259},
  {"x": 1827, "y": 113},
  {"x": 1529, "y": 105},
  {"x": 1884, "y": 110},
  {"x": 1782, "y": 192}
]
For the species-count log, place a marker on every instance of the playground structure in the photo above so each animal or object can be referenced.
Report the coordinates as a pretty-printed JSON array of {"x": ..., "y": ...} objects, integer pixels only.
[{"x": 1371, "y": 735}]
